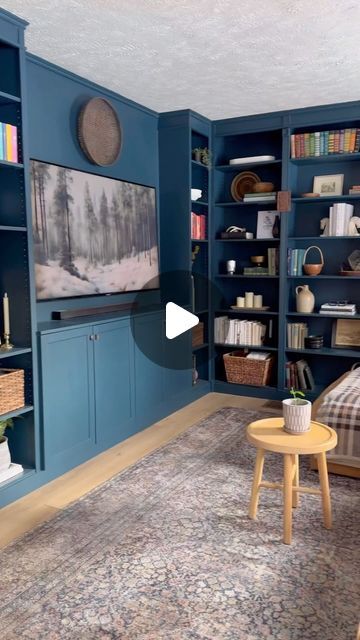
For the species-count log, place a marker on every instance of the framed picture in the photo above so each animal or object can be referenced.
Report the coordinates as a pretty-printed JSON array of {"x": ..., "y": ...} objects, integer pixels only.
[
  {"x": 329, "y": 185},
  {"x": 265, "y": 223},
  {"x": 346, "y": 333}
]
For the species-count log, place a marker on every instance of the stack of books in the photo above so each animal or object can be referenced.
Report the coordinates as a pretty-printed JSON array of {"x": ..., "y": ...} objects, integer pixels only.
[
  {"x": 354, "y": 190},
  {"x": 340, "y": 214},
  {"x": 198, "y": 226},
  {"x": 273, "y": 261},
  {"x": 238, "y": 332},
  {"x": 267, "y": 196},
  {"x": 323, "y": 143},
  {"x": 338, "y": 309},
  {"x": 8, "y": 142},
  {"x": 295, "y": 259},
  {"x": 296, "y": 334},
  {"x": 299, "y": 376}
]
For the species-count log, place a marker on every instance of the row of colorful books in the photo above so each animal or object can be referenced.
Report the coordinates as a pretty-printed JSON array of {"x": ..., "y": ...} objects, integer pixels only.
[
  {"x": 8, "y": 142},
  {"x": 239, "y": 332},
  {"x": 198, "y": 226},
  {"x": 299, "y": 376},
  {"x": 323, "y": 143},
  {"x": 296, "y": 334}
]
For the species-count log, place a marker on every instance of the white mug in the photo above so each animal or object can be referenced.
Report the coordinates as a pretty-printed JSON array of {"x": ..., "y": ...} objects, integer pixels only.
[
  {"x": 258, "y": 301},
  {"x": 240, "y": 301},
  {"x": 249, "y": 298},
  {"x": 231, "y": 266}
]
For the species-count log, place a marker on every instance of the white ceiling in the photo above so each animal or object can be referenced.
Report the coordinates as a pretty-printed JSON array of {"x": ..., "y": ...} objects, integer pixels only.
[{"x": 222, "y": 58}]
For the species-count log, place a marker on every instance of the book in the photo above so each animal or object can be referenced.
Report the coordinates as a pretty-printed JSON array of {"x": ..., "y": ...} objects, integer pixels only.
[{"x": 265, "y": 223}]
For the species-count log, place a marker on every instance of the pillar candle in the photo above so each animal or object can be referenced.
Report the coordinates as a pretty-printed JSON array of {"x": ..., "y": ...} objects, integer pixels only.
[
  {"x": 6, "y": 314},
  {"x": 240, "y": 301},
  {"x": 249, "y": 299},
  {"x": 258, "y": 301}
]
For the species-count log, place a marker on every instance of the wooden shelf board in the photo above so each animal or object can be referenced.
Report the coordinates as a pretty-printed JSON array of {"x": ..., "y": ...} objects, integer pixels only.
[
  {"x": 13, "y": 165},
  {"x": 244, "y": 204},
  {"x": 17, "y": 412},
  {"x": 16, "y": 351},
  {"x": 255, "y": 277},
  {"x": 28, "y": 471},
  {"x": 4, "y": 227},
  {"x": 325, "y": 277},
  {"x": 204, "y": 241},
  {"x": 316, "y": 314},
  {"x": 328, "y": 351},
  {"x": 326, "y": 198},
  {"x": 8, "y": 98},
  {"x": 247, "y": 240},
  {"x": 195, "y": 163},
  {"x": 201, "y": 346},
  {"x": 315, "y": 238},
  {"x": 332, "y": 157},
  {"x": 200, "y": 202},
  {"x": 257, "y": 347},
  {"x": 240, "y": 167},
  {"x": 248, "y": 311}
]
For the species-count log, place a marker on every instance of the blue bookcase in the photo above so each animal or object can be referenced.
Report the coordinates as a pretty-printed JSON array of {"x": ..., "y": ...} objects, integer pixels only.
[{"x": 16, "y": 251}]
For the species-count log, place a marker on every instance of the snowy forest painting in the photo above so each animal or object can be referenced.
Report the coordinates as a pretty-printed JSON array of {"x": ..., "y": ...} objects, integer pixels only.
[{"x": 91, "y": 234}]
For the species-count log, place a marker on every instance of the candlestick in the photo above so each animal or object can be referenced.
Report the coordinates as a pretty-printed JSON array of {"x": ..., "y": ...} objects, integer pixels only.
[
  {"x": 6, "y": 314},
  {"x": 6, "y": 346}
]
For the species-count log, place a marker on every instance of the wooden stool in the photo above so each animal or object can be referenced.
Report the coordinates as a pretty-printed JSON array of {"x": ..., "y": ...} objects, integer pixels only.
[{"x": 269, "y": 435}]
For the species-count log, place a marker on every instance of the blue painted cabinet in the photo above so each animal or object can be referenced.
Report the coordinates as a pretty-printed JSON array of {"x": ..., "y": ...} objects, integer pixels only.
[
  {"x": 114, "y": 372},
  {"x": 67, "y": 366},
  {"x": 149, "y": 388}
]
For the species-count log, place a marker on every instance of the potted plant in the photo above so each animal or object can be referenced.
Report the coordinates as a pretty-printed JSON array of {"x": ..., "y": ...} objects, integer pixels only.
[
  {"x": 5, "y": 459},
  {"x": 297, "y": 413},
  {"x": 205, "y": 156}
]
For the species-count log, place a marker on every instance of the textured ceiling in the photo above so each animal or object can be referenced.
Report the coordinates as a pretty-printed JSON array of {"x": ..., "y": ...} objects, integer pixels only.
[{"x": 222, "y": 58}]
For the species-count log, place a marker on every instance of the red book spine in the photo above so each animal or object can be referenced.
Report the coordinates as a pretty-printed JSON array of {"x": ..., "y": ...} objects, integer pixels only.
[
  {"x": 302, "y": 145},
  {"x": 297, "y": 145},
  {"x": 203, "y": 227}
]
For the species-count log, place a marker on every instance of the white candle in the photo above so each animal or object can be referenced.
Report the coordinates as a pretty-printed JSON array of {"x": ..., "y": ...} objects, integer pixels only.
[
  {"x": 258, "y": 301},
  {"x": 249, "y": 299},
  {"x": 240, "y": 301},
  {"x": 6, "y": 314}
]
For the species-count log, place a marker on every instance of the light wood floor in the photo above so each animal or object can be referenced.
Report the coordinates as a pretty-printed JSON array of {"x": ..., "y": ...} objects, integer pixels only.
[{"x": 44, "y": 503}]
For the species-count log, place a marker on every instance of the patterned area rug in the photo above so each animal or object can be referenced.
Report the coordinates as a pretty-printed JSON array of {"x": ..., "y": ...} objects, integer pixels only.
[{"x": 165, "y": 550}]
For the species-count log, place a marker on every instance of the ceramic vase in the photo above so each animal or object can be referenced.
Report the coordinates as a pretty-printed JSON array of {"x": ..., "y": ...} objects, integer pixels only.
[
  {"x": 297, "y": 415},
  {"x": 305, "y": 299},
  {"x": 5, "y": 459}
]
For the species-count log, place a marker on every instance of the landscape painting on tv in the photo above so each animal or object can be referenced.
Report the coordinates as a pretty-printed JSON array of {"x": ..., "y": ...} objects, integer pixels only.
[{"x": 92, "y": 234}]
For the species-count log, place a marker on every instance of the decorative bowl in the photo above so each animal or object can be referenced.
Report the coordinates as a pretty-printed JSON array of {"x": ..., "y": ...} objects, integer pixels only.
[
  {"x": 314, "y": 342},
  {"x": 196, "y": 194},
  {"x": 263, "y": 187},
  {"x": 312, "y": 269},
  {"x": 310, "y": 195}
]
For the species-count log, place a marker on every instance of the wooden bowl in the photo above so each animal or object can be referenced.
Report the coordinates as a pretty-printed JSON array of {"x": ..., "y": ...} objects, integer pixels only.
[
  {"x": 310, "y": 195},
  {"x": 263, "y": 187},
  {"x": 312, "y": 269},
  {"x": 257, "y": 259}
]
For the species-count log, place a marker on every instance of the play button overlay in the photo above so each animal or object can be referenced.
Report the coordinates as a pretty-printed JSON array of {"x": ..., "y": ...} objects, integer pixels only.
[
  {"x": 178, "y": 320},
  {"x": 163, "y": 316}
]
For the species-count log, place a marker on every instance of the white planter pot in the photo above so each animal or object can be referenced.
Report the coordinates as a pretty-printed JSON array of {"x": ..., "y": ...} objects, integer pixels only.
[
  {"x": 297, "y": 415},
  {"x": 5, "y": 459}
]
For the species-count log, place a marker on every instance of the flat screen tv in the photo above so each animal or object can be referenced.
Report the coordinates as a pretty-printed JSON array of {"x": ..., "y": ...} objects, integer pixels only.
[{"x": 92, "y": 235}]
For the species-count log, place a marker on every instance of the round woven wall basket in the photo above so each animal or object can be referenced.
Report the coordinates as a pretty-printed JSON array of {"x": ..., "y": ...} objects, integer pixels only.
[{"x": 99, "y": 132}]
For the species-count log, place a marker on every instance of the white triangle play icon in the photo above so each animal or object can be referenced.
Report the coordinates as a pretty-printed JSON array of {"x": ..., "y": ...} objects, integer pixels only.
[{"x": 178, "y": 320}]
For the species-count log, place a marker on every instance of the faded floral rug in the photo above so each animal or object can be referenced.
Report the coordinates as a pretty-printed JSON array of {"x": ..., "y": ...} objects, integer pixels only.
[{"x": 165, "y": 551}]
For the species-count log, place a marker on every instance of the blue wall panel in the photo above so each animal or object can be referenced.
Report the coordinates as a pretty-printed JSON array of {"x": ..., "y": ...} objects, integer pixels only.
[{"x": 54, "y": 99}]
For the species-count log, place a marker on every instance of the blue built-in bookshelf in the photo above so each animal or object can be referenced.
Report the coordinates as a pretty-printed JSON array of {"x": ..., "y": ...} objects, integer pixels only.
[{"x": 270, "y": 134}]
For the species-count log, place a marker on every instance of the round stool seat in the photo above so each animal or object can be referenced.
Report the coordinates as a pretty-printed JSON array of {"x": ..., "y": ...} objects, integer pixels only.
[{"x": 269, "y": 434}]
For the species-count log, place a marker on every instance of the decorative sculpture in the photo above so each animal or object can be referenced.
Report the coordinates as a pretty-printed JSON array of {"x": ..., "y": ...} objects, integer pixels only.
[
  {"x": 354, "y": 226},
  {"x": 324, "y": 226}
]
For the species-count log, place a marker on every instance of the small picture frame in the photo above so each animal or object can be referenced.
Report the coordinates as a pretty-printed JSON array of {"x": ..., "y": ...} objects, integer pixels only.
[
  {"x": 346, "y": 333},
  {"x": 265, "y": 224},
  {"x": 329, "y": 185}
]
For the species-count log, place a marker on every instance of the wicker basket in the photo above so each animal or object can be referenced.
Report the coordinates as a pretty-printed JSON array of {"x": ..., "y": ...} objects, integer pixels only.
[
  {"x": 242, "y": 370},
  {"x": 12, "y": 389}
]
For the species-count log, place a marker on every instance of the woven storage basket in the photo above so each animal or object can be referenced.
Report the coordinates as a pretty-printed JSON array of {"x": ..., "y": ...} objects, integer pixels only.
[
  {"x": 242, "y": 370},
  {"x": 12, "y": 389}
]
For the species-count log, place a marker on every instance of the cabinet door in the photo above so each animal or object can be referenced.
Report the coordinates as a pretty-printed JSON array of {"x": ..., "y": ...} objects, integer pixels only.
[
  {"x": 149, "y": 390},
  {"x": 67, "y": 396},
  {"x": 177, "y": 356},
  {"x": 113, "y": 381}
]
